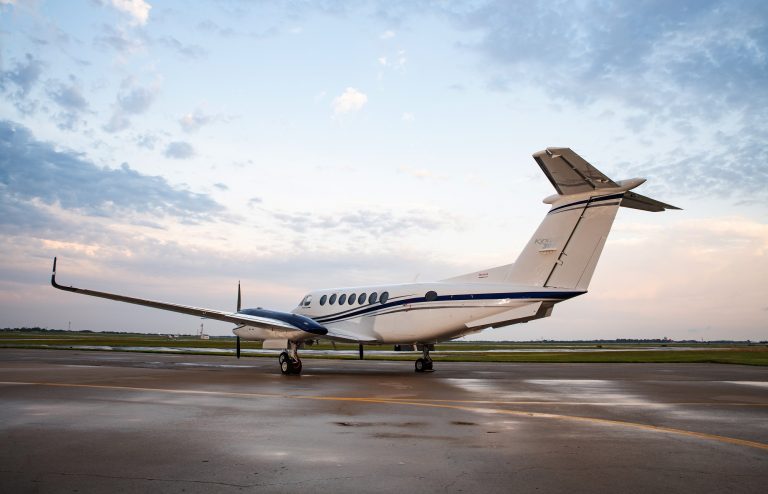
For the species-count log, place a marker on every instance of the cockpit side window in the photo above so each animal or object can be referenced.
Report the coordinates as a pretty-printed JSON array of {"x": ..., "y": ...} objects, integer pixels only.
[{"x": 307, "y": 301}]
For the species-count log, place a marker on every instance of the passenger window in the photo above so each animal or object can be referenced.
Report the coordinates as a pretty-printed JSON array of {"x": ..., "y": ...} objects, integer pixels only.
[
  {"x": 323, "y": 299},
  {"x": 361, "y": 299},
  {"x": 342, "y": 298},
  {"x": 384, "y": 297},
  {"x": 352, "y": 299},
  {"x": 372, "y": 298},
  {"x": 332, "y": 299},
  {"x": 431, "y": 296}
]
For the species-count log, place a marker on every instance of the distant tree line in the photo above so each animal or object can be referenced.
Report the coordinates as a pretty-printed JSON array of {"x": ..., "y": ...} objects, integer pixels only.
[{"x": 654, "y": 341}]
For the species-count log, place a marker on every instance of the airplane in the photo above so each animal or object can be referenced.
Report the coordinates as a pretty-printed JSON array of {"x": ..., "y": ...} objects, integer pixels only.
[{"x": 555, "y": 265}]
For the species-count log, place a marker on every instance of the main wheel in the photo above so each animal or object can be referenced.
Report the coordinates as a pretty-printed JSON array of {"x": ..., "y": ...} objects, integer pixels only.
[
  {"x": 420, "y": 365},
  {"x": 297, "y": 366},
  {"x": 285, "y": 363}
]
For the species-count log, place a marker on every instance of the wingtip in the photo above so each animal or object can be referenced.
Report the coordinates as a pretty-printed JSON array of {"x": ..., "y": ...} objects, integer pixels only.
[{"x": 53, "y": 273}]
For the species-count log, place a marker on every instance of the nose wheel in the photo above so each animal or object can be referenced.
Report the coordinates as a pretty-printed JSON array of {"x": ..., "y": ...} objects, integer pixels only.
[{"x": 289, "y": 364}]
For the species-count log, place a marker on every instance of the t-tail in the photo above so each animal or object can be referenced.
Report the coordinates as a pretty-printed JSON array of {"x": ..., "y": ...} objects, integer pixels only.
[{"x": 564, "y": 251}]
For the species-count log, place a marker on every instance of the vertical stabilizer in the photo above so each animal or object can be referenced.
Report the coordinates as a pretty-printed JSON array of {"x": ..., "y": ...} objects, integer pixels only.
[{"x": 564, "y": 250}]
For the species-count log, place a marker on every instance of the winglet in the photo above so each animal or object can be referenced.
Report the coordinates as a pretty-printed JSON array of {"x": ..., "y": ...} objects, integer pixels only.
[{"x": 53, "y": 275}]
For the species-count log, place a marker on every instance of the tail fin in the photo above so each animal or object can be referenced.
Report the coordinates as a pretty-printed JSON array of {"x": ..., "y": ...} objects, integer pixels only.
[{"x": 565, "y": 249}]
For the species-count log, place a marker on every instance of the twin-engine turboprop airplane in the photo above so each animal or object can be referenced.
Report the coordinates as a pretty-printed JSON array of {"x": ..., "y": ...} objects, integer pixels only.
[{"x": 556, "y": 264}]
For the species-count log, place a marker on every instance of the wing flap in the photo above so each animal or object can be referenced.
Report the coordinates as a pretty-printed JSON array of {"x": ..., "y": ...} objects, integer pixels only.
[{"x": 348, "y": 336}]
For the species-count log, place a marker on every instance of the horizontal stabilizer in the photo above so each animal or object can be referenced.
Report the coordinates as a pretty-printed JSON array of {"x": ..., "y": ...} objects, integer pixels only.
[
  {"x": 638, "y": 201},
  {"x": 570, "y": 173}
]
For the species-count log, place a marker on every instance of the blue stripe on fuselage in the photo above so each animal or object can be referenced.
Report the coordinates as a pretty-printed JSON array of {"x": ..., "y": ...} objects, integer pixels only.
[{"x": 443, "y": 298}]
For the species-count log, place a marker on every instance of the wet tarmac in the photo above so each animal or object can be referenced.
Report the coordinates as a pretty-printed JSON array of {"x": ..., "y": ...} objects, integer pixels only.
[{"x": 74, "y": 421}]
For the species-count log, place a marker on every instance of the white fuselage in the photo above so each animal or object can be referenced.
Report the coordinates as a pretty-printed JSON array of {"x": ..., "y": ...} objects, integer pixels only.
[{"x": 418, "y": 312}]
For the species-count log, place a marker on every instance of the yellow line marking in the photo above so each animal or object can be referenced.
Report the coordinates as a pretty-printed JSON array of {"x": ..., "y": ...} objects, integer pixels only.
[{"x": 418, "y": 403}]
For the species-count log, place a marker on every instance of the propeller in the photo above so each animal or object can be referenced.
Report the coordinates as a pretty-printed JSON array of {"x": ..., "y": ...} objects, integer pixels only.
[
  {"x": 239, "y": 301},
  {"x": 361, "y": 351}
]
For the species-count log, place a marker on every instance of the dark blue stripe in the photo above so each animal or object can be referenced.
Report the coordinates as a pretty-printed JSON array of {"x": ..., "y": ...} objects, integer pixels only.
[
  {"x": 303, "y": 323},
  {"x": 593, "y": 199},
  {"x": 443, "y": 298}
]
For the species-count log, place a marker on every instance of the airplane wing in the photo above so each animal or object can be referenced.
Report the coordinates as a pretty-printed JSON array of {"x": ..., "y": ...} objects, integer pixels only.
[
  {"x": 570, "y": 173},
  {"x": 261, "y": 318}
]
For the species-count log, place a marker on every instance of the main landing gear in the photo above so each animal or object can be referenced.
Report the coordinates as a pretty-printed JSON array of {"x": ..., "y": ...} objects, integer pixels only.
[
  {"x": 424, "y": 364},
  {"x": 289, "y": 360}
]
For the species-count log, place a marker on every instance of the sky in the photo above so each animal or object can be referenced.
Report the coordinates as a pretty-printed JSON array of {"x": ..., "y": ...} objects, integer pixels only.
[{"x": 170, "y": 149}]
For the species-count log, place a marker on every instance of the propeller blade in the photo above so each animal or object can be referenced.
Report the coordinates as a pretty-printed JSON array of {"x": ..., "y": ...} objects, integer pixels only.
[
  {"x": 361, "y": 351},
  {"x": 239, "y": 303}
]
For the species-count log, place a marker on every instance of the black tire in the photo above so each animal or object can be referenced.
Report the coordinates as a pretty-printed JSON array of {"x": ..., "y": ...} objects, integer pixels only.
[
  {"x": 297, "y": 366},
  {"x": 428, "y": 364},
  {"x": 285, "y": 363},
  {"x": 420, "y": 365}
]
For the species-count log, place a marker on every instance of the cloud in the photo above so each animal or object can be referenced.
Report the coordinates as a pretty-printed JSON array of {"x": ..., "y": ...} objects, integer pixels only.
[
  {"x": 137, "y": 9},
  {"x": 373, "y": 223},
  {"x": 179, "y": 150},
  {"x": 211, "y": 27},
  {"x": 192, "y": 52},
  {"x": 35, "y": 173},
  {"x": 147, "y": 141},
  {"x": 119, "y": 40},
  {"x": 420, "y": 173},
  {"x": 22, "y": 77},
  {"x": 688, "y": 80},
  {"x": 221, "y": 186},
  {"x": 351, "y": 100},
  {"x": 193, "y": 121},
  {"x": 70, "y": 100},
  {"x": 24, "y": 74},
  {"x": 387, "y": 35},
  {"x": 132, "y": 100}
]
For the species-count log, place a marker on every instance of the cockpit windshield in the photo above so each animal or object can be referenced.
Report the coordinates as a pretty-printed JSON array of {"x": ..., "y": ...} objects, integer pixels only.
[{"x": 307, "y": 300}]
